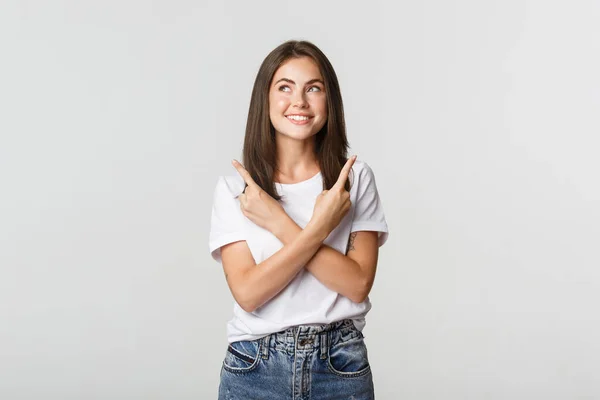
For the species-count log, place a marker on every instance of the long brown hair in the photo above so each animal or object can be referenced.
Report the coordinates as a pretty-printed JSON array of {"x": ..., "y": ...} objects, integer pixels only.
[{"x": 331, "y": 144}]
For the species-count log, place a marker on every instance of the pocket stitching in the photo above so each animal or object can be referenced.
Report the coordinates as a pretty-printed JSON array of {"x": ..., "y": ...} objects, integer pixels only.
[
  {"x": 355, "y": 374},
  {"x": 241, "y": 370},
  {"x": 240, "y": 355}
]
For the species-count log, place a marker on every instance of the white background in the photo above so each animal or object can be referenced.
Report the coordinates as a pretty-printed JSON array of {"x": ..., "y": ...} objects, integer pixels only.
[{"x": 479, "y": 119}]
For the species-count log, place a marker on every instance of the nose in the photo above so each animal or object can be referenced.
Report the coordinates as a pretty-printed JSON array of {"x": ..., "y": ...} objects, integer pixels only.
[{"x": 299, "y": 100}]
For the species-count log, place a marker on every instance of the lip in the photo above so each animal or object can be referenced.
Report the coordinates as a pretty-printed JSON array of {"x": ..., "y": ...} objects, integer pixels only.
[{"x": 310, "y": 117}]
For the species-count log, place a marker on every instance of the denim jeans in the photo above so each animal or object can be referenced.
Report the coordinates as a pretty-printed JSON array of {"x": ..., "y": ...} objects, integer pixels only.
[{"x": 304, "y": 362}]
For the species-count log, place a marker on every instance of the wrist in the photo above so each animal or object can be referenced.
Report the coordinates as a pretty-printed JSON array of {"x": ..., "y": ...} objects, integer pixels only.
[
  {"x": 285, "y": 229},
  {"x": 316, "y": 230}
]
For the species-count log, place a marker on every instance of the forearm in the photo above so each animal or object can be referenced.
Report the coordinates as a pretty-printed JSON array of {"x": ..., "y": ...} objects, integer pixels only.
[
  {"x": 333, "y": 269},
  {"x": 270, "y": 276}
]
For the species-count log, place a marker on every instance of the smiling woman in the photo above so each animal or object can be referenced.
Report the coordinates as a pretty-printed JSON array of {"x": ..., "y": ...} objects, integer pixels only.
[
  {"x": 297, "y": 231},
  {"x": 298, "y": 97}
]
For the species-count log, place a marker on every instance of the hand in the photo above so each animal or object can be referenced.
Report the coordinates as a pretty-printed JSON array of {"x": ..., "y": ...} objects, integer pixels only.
[
  {"x": 332, "y": 205},
  {"x": 256, "y": 204}
]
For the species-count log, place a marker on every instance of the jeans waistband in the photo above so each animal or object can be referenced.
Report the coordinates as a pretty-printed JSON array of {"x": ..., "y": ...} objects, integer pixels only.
[
  {"x": 309, "y": 336},
  {"x": 305, "y": 330}
]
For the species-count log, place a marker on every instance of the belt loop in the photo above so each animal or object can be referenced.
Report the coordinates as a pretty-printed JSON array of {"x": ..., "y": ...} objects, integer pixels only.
[
  {"x": 265, "y": 347},
  {"x": 324, "y": 345}
]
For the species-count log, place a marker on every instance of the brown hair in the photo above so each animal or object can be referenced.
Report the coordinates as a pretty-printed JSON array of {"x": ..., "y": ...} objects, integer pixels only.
[{"x": 331, "y": 144}]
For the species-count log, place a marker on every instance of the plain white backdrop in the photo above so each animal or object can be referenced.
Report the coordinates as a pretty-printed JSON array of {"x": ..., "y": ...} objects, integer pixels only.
[{"x": 479, "y": 119}]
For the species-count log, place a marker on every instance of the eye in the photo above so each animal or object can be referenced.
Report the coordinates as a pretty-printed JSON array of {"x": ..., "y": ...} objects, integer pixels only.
[
  {"x": 314, "y": 87},
  {"x": 283, "y": 86}
]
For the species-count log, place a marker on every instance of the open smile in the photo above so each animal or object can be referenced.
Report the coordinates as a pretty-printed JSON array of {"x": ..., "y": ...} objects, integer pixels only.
[{"x": 299, "y": 119}]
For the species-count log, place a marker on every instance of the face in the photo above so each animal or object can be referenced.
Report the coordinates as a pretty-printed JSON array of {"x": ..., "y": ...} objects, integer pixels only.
[{"x": 297, "y": 99}]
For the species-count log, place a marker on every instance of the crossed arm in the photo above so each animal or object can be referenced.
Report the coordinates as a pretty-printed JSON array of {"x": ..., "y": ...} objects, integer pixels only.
[{"x": 352, "y": 275}]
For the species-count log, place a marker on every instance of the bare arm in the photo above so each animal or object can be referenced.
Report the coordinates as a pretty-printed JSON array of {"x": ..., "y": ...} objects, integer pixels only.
[
  {"x": 253, "y": 284},
  {"x": 351, "y": 275}
]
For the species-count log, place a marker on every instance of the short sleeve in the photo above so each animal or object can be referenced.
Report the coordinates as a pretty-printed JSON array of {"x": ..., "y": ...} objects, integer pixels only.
[
  {"x": 227, "y": 220},
  {"x": 368, "y": 213}
]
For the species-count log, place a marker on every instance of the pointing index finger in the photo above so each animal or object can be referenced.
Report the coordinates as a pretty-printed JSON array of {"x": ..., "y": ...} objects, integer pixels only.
[
  {"x": 243, "y": 173},
  {"x": 345, "y": 172}
]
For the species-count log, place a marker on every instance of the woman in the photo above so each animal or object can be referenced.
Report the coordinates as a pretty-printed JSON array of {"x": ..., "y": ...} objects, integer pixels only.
[{"x": 297, "y": 231}]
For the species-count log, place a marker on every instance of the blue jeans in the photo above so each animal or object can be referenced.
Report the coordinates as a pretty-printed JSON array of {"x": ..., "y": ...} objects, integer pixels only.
[{"x": 304, "y": 362}]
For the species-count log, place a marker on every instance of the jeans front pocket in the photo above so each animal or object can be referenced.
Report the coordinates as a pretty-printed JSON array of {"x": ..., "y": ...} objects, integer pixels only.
[
  {"x": 242, "y": 356},
  {"x": 349, "y": 358}
]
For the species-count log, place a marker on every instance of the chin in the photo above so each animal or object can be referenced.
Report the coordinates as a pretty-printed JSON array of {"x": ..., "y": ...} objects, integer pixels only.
[{"x": 298, "y": 132}]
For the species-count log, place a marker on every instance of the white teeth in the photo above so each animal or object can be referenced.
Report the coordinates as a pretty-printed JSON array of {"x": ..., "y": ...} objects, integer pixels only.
[{"x": 297, "y": 117}]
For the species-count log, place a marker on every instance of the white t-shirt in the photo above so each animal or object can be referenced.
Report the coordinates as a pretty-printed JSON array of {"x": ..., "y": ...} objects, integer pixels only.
[{"x": 305, "y": 300}]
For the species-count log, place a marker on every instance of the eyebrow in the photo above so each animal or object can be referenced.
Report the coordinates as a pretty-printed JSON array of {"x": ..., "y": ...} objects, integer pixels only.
[{"x": 308, "y": 83}]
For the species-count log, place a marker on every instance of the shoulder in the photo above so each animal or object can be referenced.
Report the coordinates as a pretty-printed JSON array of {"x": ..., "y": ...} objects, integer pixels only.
[
  {"x": 360, "y": 165},
  {"x": 229, "y": 186},
  {"x": 361, "y": 171}
]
